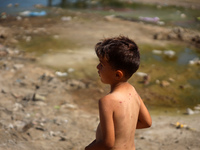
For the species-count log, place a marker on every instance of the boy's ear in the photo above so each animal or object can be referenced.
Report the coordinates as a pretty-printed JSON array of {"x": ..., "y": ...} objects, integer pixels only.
[{"x": 119, "y": 74}]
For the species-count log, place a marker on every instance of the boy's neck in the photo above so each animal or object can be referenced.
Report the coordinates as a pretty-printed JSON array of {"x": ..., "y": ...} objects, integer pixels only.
[{"x": 115, "y": 86}]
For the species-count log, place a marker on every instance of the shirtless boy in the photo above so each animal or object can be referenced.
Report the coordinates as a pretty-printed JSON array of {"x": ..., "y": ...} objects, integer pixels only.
[{"x": 121, "y": 111}]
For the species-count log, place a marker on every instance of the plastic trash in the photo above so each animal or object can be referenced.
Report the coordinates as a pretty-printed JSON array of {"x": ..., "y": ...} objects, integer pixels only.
[
  {"x": 141, "y": 74},
  {"x": 33, "y": 14},
  {"x": 169, "y": 53},
  {"x": 155, "y": 51},
  {"x": 150, "y": 19},
  {"x": 3, "y": 15},
  {"x": 61, "y": 74}
]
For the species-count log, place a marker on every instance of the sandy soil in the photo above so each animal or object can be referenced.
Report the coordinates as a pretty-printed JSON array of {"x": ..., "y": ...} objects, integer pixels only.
[{"x": 38, "y": 110}]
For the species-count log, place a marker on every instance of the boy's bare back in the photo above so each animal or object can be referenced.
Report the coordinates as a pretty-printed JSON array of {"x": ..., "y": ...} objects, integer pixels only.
[{"x": 121, "y": 108}]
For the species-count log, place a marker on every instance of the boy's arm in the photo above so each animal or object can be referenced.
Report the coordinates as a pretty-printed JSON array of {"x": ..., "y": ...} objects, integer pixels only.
[
  {"x": 144, "y": 118},
  {"x": 94, "y": 146},
  {"x": 107, "y": 127}
]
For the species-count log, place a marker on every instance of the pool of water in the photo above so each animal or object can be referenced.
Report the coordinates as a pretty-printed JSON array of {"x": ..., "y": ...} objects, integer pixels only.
[
  {"x": 182, "y": 58},
  {"x": 9, "y": 6},
  {"x": 185, "y": 56},
  {"x": 185, "y": 89}
]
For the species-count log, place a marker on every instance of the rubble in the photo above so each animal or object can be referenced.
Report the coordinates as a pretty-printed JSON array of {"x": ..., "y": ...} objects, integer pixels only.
[{"x": 31, "y": 99}]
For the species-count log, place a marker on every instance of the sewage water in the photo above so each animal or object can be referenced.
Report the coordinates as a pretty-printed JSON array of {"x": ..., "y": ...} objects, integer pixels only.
[{"x": 185, "y": 56}]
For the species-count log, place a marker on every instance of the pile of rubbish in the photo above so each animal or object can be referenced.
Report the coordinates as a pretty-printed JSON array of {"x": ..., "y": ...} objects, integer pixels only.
[
  {"x": 179, "y": 125},
  {"x": 152, "y": 20},
  {"x": 32, "y": 14}
]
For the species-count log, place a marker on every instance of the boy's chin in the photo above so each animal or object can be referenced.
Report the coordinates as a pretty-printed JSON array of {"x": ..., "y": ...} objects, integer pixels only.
[{"x": 104, "y": 82}]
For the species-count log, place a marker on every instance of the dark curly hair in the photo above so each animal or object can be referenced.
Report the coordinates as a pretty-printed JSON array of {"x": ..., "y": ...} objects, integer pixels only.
[{"x": 121, "y": 53}]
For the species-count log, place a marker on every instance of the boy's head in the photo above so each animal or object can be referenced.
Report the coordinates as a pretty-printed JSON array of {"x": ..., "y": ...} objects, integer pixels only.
[{"x": 121, "y": 53}]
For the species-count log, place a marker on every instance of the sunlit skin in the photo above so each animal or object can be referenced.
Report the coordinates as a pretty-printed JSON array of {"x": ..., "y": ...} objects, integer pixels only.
[{"x": 121, "y": 112}]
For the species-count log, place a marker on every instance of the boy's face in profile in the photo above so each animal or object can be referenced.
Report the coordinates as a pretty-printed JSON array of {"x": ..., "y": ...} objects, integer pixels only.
[{"x": 105, "y": 71}]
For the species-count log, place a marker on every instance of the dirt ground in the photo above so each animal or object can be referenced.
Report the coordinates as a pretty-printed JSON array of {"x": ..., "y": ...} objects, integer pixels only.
[{"x": 39, "y": 110}]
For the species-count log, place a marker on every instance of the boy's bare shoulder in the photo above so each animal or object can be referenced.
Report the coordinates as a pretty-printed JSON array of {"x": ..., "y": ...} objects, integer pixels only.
[{"x": 109, "y": 99}]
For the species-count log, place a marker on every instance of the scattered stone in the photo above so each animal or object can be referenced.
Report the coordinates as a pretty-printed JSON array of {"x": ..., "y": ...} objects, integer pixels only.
[
  {"x": 40, "y": 103},
  {"x": 109, "y": 18},
  {"x": 187, "y": 86},
  {"x": 194, "y": 61},
  {"x": 75, "y": 84},
  {"x": 18, "y": 66},
  {"x": 39, "y": 6},
  {"x": 62, "y": 138},
  {"x": 189, "y": 111},
  {"x": 19, "y": 18},
  {"x": 16, "y": 4},
  {"x": 10, "y": 5},
  {"x": 71, "y": 106},
  {"x": 197, "y": 108},
  {"x": 28, "y": 97},
  {"x": 39, "y": 30},
  {"x": 37, "y": 97},
  {"x": 22, "y": 126},
  {"x": 56, "y": 36},
  {"x": 70, "y": 70},
  {"x": 69, "y": 18},
  {"x": 157, "y": 81},
  {"x": 17, "y": 106},
  {"x": 3, "y": 91},
  {"x": 183, "y": 16},
  {"x": 13, "y": 41},
  {"x": 3, "y": 53},
  {"x": 52, "y": 133},
  {"x": 171, "y": 80},
  {"x": 28, "y": 38},
  {"x": 146, "y": 79},
  {"x": 180, "y": 34},
  {"x": 47, "y": 77},
  {"x": 164, "y": 83},
  {"x": 40, "y": 128}
]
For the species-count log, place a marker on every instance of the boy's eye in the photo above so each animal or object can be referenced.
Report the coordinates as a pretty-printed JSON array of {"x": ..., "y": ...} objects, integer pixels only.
[{"x": 100, "y": 65}]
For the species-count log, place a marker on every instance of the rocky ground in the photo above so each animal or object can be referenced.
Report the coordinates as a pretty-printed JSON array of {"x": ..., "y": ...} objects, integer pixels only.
[{"x": 39, "y": 110}]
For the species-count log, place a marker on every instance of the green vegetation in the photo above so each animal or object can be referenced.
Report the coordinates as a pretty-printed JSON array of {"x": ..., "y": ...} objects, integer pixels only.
[{"x": 44, "y": 44}]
